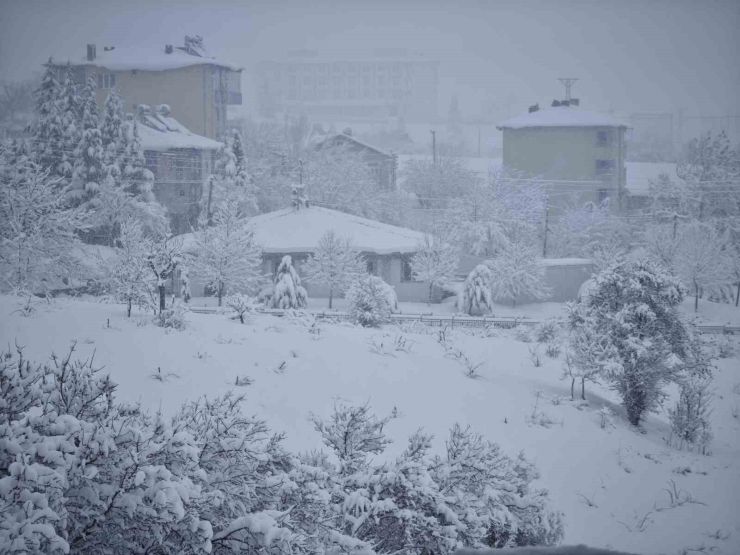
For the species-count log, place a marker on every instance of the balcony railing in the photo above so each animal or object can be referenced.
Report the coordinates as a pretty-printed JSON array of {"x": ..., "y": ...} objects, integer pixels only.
[{"x": 231, "y": 97}]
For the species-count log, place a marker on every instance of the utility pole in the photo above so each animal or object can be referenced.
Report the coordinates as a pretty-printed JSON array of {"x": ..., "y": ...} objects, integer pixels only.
[
  {"x": 434, "y": 147},
  {"x": 675, "y": 225},
  {"x": 547, "y": 221},
  {"x": 568, "y": 82},
  {"x": 478, "y": 126}
]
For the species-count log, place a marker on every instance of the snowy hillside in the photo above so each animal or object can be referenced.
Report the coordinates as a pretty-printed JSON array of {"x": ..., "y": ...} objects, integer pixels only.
[{"x": 608, "y": 480}]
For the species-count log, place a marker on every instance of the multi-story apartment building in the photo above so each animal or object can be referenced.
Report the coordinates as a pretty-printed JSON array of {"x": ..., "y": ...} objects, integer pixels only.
[
  {"x": 197, "y": 87},
  {"x": 572, "y": 150},
  {"x": 390, "y": 84}
]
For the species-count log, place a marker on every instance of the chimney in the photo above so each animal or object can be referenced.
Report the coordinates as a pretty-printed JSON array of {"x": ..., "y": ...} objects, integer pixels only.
[
  {"x": 565, "y": 103},
  {"x": 168, "y": 49},
  {"x": 534, "y": 108},
  {"x": 555, "y": 103},
  {"x": 575, "y": 102},
  {"x": 347, "y": 131},
  {"x": 108, "y": 48},
  {"x": 90, "y": 52}
]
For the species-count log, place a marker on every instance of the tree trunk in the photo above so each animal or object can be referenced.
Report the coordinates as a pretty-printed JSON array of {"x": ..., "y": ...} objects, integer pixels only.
[
  {"x": 696, "y": 298},
  {"x": 162, "y": 298},
  {"x": 430, "y": 294},
  {"x": 737, "y": 297},
  {"x": 220, "y": 293},
  {"x": 583, "y": 388},
  {"x": 572, "y": 389},
  {"x": 129, "y": 309},
  {"x": 331, "y": 296},
  {"x": 241, "y": 318}
]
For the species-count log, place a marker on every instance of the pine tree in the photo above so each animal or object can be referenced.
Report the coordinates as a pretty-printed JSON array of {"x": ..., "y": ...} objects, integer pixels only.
[
  {"x": 588, "y": 356},
  {"x": 243, "y": 182},
  {"x": 71, "y": 125},
  {"x": 111, "y": 133},
  {"x": 335, "y": 264},
  {"x": 287, "y": 291},
  {"x": 48, "y": 128},
  {"x": 435, "y": 262},
  {"x": 89, "y": 156},
  {"x": 225, "y": 255},
  {"x": 476, "y": 297},
  {"x": 220, "y": 181},
  {"x": 368, "y": 301}
]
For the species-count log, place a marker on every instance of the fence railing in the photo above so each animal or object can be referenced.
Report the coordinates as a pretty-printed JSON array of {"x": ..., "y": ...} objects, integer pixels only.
[{"x": 453, "y": 320}]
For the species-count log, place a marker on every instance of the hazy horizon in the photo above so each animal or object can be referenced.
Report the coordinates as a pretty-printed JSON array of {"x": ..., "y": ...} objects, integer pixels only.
[{"x": 630, "y": 56}]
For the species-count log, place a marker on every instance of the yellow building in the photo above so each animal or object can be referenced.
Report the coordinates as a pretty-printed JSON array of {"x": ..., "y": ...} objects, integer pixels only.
[
  {"x": 197, "y": 87},
  {"x": 573, "y": 150}
]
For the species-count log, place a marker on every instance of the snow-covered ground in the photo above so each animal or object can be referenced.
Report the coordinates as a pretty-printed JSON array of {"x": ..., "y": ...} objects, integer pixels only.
[{"x": 621, "y": 473}]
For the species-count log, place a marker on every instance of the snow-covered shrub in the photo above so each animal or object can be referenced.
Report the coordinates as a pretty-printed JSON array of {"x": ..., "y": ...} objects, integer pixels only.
[
  {"x": 174, "y": 317},
  {"x": 523, "y": 333},
  {"x": 517, "y": 271},
  {"x": 632, "y": 311},
  {"x": 606, "y": 418},
  {"x": 475, "y": 297},
  {"x": 287, "y": 291},
  {"x": 727, "y": 347},
  {"x": 243, "y": 305},
  {"x": 689, "y": 418},
  {"x": 390, "y": 296},
  {"x": 368, "y": 301},
  {"x": 546, "y": 331}
]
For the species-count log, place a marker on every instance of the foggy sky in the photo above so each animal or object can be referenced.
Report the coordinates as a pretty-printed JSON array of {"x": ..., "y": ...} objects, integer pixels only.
[{"x": 632, "y": 56}]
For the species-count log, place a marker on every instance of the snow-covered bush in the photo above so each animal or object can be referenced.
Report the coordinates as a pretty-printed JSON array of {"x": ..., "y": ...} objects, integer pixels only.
[
  {"x": 243, "y": 305},
  {"x": 435, "y": 262},
  {"x": 130, "y": 277},
  {"x": 523, "y": 333},
  {"x": 589, "y": 355},
  {"x": 547, "y": 331},
  {"x": 368, "y": 301},
  {"x": 390, "y": 297},
  {"x": 632, "y": 311},
  {"x": 689, "y": 418},
  {"x": 287, "y": 291},
  {"x": 475, "y": 297},
  {"x": 174, "y": 317}
]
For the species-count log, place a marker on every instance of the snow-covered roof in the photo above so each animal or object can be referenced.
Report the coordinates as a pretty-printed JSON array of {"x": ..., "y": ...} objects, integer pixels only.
[
  {"x": 562, "y": 116},
  {"x": 354, "y": 140},
  {"x": 159, "y": 131},
  {"x": 290, "y": 230},
  {"x": 144, "y": 59}
]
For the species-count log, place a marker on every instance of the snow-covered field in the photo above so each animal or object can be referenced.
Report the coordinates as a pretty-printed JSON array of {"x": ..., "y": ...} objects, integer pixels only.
[{"x": 608, "y": 481}]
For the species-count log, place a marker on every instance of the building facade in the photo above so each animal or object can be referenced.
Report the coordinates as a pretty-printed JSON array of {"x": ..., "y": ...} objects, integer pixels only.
[
  {"x": 389, "y": 85},
  {"x": 180, "y": 161},
  {"x": 197, "y": 87},
  {"x": 383, "y": 165},
  {"x": 572, "y": 150}
]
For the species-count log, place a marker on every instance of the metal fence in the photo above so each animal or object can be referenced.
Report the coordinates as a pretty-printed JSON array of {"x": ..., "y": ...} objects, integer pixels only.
[{"x": 454, "y": 320}]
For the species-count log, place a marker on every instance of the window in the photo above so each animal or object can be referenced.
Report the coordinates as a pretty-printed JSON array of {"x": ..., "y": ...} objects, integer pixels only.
[
  {"x": 293, "y": 80},
  {"x": 292, "y": 94},
  {"x": 307, "y": 81},
  {"x": 605, "y": 167},
  {"x": 381, "y": 81},
  {"x": 395, "y": 81},
  {"x": 372, "y": 266},
  {"x": 381, "y": 93},
  {"x": 367, "y": 68},
  {"x": 350, "y": 81},
  {"x": 406, "y": 273},
  {"x": 106, "y": 80},
  {"x": 367, "y": 81},
  {"x": 350, "y": 93},
  {"x": 323, "y": 81},
  {"x": 604, "y": 138},
  {"x": 367, "y": 93},
  {"x": 337, "y": 93}
]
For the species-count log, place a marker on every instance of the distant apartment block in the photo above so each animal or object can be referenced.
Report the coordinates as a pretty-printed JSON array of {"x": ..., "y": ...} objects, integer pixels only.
[
  {"x": 196, "y": 86},
  {"x": 390, "y": 84}
]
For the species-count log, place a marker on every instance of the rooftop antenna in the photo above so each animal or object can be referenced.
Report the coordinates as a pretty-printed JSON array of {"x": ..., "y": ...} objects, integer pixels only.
[{"x": 568, "y": 82}]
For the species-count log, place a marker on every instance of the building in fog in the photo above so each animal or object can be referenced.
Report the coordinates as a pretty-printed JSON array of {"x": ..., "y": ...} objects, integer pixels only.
[
  {"x": 383, "y": 165},
  {"x": 390, "y": 84},
  {"x": 196, "y": 86},
  {"x": 574, "y": 149},
  {"x": 180, "y": 161}
]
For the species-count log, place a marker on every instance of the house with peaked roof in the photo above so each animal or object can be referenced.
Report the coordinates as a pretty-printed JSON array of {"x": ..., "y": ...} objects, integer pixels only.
[
  {"x": 180, "y": 161},
  {"x": 387, "y": 249},
  {"x": 197, "y": 86},
  {"x": 382, "y": 164},
  {"x": 574, "y": 150}
]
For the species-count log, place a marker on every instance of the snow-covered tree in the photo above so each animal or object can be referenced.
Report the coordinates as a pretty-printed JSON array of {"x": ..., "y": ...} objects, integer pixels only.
[
  {"x": 689, "y": 418},
  {"x": 287, "y": 291},
  {"x": 633, "y": 309},
  {"x": 225, "y": 255},
  {"x": 579, "y": 229},
  {"x": 433, "y": 184},
  {"x": 89, "y": 173},
  {"x": 435, "y": 262},
  {"x": 587, "y": 357},
  {"x": 368, "y": 301},
  {"x": 185, "y": 284},
  {"x": 702, "y": 260},
  {"x": 48, "y": 128},
  {"x": 335, "y": 264},
  {"x": 243, "y": 183},
  {"x": 220, "y": 182},
  {"x": 475, "y": 297},
  {"x": 518, "y": 271},
  {"x": 38, "y": 231},
  {"x": 130, "y": 274},
  {"x": 111, "y": 134},
  {"x": 662, "y": 241},
  {"x": 71, "y": 125},
  {"x": 163, "y": 259}
]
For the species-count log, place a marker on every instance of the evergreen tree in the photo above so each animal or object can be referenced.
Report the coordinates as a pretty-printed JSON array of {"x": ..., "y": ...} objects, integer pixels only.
[
  {"x": 476, "y": 297},
  {"x": 89, "y": 156},
  {"x": 219, "y": 182},
  {"x": 47, "y": 128},
  {"x": 70, "y": 101},
  {"x": 243, "y": 182},
  {"x": 335, "y": 264},
  {"x": 368, "y": 301},
  {"x": 111, "y": 133},
  {"x": 287, "y": 291}
]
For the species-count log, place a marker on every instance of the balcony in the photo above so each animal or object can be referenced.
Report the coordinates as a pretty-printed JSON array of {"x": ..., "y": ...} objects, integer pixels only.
[{"x": 232, "y": 98}]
